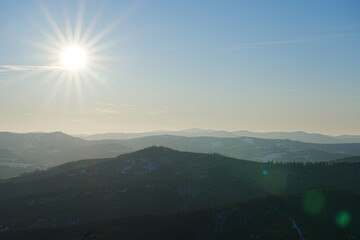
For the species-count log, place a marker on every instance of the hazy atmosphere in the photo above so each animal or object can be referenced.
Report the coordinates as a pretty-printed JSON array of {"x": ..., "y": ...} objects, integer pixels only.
[
  {"x": 153, "y": 65},
  {"x": 180, "y": 120}
]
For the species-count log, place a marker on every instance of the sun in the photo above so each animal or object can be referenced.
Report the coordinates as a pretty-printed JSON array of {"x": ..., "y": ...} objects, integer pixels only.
[
  {"x": 74, "y": 52},
  {"x": 73, "y": 58}
]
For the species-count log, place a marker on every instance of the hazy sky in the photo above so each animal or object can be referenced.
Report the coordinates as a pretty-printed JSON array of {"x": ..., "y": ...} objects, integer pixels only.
[{"x": 159, "y": 64}]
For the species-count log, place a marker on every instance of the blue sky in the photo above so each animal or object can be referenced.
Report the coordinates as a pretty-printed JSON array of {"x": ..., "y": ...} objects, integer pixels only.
[{"x": 256, "y": 65}]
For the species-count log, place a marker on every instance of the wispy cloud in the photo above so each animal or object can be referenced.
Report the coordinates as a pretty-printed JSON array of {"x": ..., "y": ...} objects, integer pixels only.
[
  {"x": 105, "y": 108},
  {"x": 160, "y": 111},
  {"x": 21, "y": 68},
  {"x": 307, "y": 39},
  {"x": 124, "y": 109}
]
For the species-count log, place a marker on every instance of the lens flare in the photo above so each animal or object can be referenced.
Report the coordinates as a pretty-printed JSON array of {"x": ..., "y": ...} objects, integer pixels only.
[
  {"x": 343, "y": 219},
  {"x": 314, "y": 202}
]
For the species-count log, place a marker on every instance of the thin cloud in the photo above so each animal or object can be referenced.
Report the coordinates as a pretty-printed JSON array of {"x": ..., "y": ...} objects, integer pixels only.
[
  {"x": 125, "y": 109},
  {"x": 22, "y": 68},
  {"x": 105, "y": 108},
  {"x": 106, "y": 111},
  {"x": 160, "y": 111},
  {"x": 308, "y": 39}
]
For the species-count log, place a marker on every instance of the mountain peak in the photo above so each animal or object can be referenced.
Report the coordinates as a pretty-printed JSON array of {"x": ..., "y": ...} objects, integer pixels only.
[{"x": 153, "y": 150}]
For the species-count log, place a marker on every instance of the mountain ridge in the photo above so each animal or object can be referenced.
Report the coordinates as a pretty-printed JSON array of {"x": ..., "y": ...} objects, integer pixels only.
[
  {"x": 198, "y": 132},
  {"x": 42, "y": 150}
]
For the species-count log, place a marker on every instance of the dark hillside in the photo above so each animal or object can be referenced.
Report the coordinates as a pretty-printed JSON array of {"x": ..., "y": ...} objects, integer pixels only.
[
  {"x": 315, "y": 214},
  {"x": 155, "y": 180}
]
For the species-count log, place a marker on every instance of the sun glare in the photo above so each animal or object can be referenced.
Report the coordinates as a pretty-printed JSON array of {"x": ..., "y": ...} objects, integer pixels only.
[
  {"x": 74, "y": 53},
  {"x": 73, "y": 58}
]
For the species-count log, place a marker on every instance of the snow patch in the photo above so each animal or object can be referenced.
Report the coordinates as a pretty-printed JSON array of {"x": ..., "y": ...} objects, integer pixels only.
[
  {"x": 35, "y": 139},
  {"x": 73, "y": 221},
  {"x": 19, "y": 165},
  {"x": 7, "y": 159},
  {"x": 50, "y": 199},
  {"x": 307, "y": 157},
  {"x": 217, "y": 144},
  {"x": 261, "y": 147},
  {"x": 294, "y": 225},
  {"x": 148, "y": 165},
  {"x": 4, "y": 228},
  {"x": 281, "y": 145},
  {"x": 37, "y": 223},
  {"x": 271, "y": 156},
  {"x": 123, "y": 190},
  {"x": 248, "y": 140},
  {"x": 150, "y": 186},
  {"x": 125, "y": 169},
  {"x": 30, "y": 202}
]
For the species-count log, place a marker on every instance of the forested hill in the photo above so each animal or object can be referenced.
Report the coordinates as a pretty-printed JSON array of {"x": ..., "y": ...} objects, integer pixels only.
[
  {"x": 155, "y": 180},
  {"x": 324, "y": 214}
]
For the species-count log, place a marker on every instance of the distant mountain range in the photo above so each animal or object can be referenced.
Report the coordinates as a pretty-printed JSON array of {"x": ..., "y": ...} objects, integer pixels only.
[
  {"x": 249, "y": 148},
  {"x": 158, "y": 181},
  {"x": 25, "y": 152},
  {"x": 197, "y": 132},
  {"x": 31, "y": 151}
]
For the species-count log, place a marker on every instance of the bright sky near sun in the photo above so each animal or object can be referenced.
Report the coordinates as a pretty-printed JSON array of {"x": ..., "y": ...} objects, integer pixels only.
[{"x": 132, "y": 66}]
